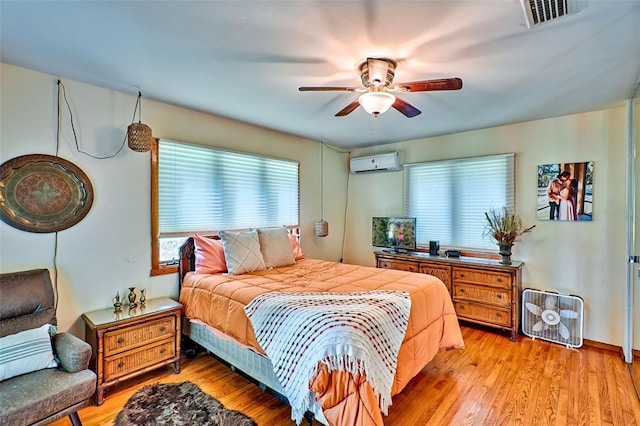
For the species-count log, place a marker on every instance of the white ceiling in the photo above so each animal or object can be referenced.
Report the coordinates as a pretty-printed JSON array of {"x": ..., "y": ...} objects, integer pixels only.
[{"x": 246, "y": 59}]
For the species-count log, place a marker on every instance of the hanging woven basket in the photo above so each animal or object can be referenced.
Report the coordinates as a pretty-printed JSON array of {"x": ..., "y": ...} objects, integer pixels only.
[{"x": 139, "y": 136}]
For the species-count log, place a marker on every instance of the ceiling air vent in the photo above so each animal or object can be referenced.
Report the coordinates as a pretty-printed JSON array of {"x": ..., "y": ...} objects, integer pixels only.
[{"x": 540, "y": 11}]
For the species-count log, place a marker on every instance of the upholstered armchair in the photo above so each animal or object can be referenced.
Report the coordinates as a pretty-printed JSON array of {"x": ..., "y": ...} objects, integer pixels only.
[{"x": 43, "y": 378}]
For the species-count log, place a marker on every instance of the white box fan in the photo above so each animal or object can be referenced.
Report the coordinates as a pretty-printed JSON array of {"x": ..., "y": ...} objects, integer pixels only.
[{"x": 553, "y": 316}]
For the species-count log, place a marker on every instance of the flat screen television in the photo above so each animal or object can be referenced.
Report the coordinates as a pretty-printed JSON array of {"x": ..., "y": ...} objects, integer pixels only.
[{"x": 397, "y": 234}]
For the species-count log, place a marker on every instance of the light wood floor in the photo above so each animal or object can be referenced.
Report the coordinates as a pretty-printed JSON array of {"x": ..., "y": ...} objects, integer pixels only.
[{"x": 493, "y": 381}]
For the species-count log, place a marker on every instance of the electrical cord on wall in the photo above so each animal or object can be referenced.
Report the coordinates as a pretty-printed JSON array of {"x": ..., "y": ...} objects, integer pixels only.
[
  {"x": 73, "y": 128},
  {"x": 344, "y": 223},
  {"x": 322, "y": 180},
  {"x": 346, "y": 206},
  {"x": 55, "y": 245},
  {"x": 62, "y": 94},
  {"x": 55, "y": 272}
]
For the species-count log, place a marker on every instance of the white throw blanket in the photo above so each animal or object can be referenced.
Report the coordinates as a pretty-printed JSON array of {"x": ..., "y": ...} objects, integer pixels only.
[{"x": 355, "y": 332}]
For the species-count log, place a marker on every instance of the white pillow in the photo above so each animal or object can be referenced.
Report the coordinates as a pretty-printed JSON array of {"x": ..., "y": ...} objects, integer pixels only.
[
  {"x": 242, "y": 251},
  {"x": 27, "y": 351},
  {"x": 276, "y": 247}
]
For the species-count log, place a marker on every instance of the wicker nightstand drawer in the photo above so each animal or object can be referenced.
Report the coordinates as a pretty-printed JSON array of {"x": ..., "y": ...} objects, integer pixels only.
[
  {"x": 123, "y": 364},
  {"x": 128, "y": 338}
]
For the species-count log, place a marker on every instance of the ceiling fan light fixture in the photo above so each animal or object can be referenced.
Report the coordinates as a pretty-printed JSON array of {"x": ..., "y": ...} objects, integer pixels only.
[{"x": 376, "y": 103}]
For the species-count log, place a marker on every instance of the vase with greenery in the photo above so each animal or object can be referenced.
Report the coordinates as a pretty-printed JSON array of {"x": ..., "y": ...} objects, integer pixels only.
[{"x": 505, "y": 228}]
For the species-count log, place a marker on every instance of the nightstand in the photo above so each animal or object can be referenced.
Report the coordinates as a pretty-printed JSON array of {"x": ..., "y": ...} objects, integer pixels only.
[{"x": 132, "y": 342}]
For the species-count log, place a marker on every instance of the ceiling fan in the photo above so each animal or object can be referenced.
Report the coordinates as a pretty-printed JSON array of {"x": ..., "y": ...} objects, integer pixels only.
[{"x": 378, "y": 95}]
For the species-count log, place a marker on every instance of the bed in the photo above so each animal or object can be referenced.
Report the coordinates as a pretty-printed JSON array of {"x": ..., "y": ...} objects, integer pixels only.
[{"x": 215, "y": 318}]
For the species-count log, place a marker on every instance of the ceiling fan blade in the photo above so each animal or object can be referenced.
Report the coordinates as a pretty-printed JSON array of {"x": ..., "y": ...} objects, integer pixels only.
[
  {"x": 327, "y": 89},
  {"x": 430, "y": 85},
  {"x": 405, "y": 108},
  {"x": 377, "y": 71},
  {"x": 348, "y": 109}
]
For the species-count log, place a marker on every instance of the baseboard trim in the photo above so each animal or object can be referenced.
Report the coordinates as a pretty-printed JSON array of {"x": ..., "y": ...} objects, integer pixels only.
[{"x": 609, "y": 347}]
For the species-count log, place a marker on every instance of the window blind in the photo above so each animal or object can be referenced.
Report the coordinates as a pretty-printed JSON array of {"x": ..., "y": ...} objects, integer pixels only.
[
  {"x": 204, "y": 189},
  {"x": 449, "y": 198}
]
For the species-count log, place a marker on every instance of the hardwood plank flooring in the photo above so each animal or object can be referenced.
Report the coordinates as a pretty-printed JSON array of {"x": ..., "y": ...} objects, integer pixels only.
[{"x": 493, "y": 381}]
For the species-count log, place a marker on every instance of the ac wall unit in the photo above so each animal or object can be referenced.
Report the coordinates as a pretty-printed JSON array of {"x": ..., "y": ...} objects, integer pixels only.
[
  {"x": 553, "y": 316},
  {"x": 388, "y": 162}
]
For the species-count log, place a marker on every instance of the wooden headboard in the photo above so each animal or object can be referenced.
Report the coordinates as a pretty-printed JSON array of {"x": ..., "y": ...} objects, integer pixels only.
[{"x": 187, "y": 259}]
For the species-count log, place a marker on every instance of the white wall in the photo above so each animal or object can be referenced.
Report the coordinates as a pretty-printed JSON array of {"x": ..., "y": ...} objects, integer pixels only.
[
  {"x": 110, "y": 249},
  {"x": 583, "y": 258}
]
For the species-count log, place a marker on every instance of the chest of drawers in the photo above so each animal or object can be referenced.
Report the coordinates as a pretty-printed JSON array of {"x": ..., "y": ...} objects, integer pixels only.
[
  {"x": 483, "y": 290},
  {"x": 132, "y": 342}
]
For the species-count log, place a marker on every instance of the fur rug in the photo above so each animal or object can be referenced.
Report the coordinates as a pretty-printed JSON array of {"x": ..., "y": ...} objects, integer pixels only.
[{"x": 177, "y": 404}]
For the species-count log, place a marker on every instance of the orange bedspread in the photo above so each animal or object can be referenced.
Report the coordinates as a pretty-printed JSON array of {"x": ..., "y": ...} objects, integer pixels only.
[{"x": 219, "y": 300}]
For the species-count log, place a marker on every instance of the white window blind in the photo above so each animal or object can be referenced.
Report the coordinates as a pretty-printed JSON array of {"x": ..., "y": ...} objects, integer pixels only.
[
  {"x": 203, "y": 189},
  {"x": 449, "y": 198}
]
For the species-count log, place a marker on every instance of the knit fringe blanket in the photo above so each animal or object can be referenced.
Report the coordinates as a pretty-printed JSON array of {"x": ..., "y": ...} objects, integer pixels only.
[{"x": 354, "y": 332}]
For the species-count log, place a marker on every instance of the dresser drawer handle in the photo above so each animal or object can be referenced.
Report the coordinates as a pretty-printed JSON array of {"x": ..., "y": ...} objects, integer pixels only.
[
  {"x": 498, "y": 314},
  {"x": 121, "y": 340},
  {"x": 499, "y": 296},
  {"x": 121, "y": 364},
  {"x": 499, "y": 280},
  {"x": 163, "y": 350},
  {"x": 162, "y": 329},
  {"x": 462, "y": 290},
  {"x": 462, "y": 275}
]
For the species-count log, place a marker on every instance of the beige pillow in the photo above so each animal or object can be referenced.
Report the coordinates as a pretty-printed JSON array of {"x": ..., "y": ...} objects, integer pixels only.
[
  {"x": 275, "y": 247},
  {"x": 242, "y": 251}
]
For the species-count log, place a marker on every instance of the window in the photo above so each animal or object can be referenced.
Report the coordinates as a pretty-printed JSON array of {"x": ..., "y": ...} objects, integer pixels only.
[
  {"x": 449, "y": 198},
  {"x": 203, "y": 189}
]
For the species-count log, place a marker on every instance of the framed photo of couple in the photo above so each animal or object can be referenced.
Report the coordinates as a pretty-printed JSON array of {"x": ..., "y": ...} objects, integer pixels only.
[{"x": 565, "y": 191}]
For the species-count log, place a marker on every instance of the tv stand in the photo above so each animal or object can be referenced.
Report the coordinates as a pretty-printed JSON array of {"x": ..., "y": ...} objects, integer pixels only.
[
  {"x": 483, "y": 290},
  {"x": 395, "y": 250}
]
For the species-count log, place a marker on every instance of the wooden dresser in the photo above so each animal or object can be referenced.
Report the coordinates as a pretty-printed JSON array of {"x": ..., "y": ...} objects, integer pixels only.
[
  {"x": 132, "y": 342},
  {"x": 483, "y": 290}
]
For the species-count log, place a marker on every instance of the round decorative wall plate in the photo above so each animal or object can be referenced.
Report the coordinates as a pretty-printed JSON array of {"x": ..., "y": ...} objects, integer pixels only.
[{"x": 43, "y": 193}]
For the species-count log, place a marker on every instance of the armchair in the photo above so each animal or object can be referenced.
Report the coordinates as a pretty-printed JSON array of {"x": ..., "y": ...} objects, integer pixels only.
[{"x": 42, "y": 396}]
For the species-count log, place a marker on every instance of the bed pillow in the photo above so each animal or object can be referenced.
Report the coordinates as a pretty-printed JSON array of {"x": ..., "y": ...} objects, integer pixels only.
[
  {"x": 242, "y": 251},
  {"x": 209, "y": 255},
  {"x": 295, "y": 245},
  {"x": 26, "y": 351},
  {"x": 276, "y": 247}
]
